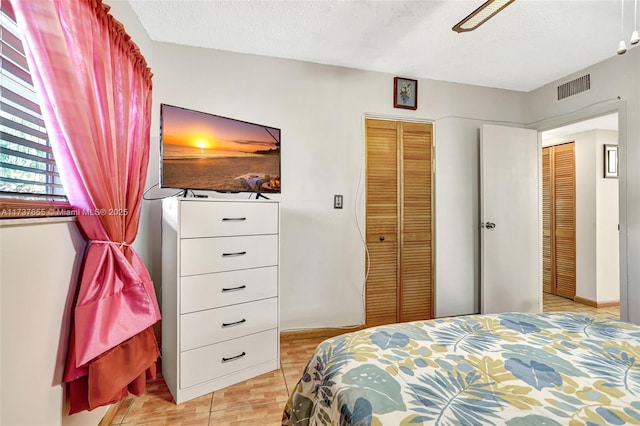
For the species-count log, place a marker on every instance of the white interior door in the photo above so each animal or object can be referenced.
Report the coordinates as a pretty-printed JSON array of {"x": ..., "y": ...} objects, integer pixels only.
[{"x": 510, "y": 246}]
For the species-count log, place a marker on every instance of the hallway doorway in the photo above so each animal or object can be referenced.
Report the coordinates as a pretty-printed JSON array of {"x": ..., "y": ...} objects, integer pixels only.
[{"x": 593, "y": 265}]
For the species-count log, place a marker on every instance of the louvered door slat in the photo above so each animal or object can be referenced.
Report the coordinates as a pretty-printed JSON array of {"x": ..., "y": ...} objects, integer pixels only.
[
  {"x": 416, "y": 286},
  {"x": 559, "y": 220},
  {"x": 565, "y": 219},
  {"x": 548, "y": 266},
  {"x": 416, "y": 289},
  {"x": 399, "y": 188},
  {"x": 382, "y": 221}
]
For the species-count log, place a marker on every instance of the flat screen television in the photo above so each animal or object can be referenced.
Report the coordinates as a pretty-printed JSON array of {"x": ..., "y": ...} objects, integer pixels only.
[{"x": 204, "y": 151}]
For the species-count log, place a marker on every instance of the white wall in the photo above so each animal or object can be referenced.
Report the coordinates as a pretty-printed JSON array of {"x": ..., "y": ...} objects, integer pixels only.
[
  {"x": 320, "y": 110},
  {"x": 39, "y": 263},
  {"x": 39, "y": 266},
  {"x": 613, "y": 78},
  {"x": 607, "y": 234},
  {"x": 597, "y": 277},
  {"x": 586, "y": 259}
]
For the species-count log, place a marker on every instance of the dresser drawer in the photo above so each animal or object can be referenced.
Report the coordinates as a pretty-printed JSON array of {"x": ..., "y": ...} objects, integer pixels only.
[
  {"x": 200, "y": 292},
  {"x": 216, "y": 325},
  {"x": 207, "y": 363},
  {"x": 206, "y": 255},
  {"x": 211, "y": 219}
]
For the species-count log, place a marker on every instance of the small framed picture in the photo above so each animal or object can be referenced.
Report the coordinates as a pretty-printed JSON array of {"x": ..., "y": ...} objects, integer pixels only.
[
  {"x": 611, "y": 161},
  {"x": 405, "y": 93}
]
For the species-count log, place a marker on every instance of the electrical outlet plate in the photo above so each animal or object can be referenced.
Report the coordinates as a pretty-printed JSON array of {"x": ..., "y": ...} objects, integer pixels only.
[{"x": 337, "y": 201}]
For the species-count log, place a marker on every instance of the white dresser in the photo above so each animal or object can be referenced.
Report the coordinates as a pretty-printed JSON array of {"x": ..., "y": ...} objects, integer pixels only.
[{"x": 219, "y": 293}]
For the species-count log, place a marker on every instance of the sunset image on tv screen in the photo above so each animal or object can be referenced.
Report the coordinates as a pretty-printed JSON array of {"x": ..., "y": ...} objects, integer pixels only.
[{"x": 209, "y": 152}]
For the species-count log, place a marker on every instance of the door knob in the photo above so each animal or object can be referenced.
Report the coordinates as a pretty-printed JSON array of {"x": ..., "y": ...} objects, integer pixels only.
[
  {"x": 488, "y": 225},
  {"x": 381, "y": 237}
]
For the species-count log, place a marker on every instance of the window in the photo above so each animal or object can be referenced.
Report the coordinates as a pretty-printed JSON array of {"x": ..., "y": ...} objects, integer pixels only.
[{"x": 29, "y": 182}]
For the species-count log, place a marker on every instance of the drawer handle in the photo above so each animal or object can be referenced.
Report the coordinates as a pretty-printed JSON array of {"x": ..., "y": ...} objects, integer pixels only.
[
  {"x": 233, "y": 219},
  {"x": 240, "y": 253},
  {"x": 231, "y": 324},
  {"x": 233, "y": 358},
  {"x": 226, "y": 290}
]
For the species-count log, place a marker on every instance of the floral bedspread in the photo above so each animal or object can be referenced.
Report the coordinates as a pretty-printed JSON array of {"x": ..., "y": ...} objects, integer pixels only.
[{"x": 504, "y": 369}]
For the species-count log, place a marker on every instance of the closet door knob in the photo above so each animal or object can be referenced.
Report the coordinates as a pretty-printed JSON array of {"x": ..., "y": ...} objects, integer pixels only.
[{"x": 381, "y": 237}]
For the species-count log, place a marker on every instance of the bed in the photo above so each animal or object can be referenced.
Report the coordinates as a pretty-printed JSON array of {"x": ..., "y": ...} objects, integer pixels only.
[{"x": 502, "y": 369}]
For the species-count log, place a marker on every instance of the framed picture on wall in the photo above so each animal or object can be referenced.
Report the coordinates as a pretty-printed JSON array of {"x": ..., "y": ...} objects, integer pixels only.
[
  {"x": 405, "y": 93},
  {"x": 611, "y": 161}
]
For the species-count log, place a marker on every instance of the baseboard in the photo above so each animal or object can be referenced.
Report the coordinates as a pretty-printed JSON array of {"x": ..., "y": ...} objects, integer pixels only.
[
  {"x": 317, "y": 333},
  {"x": 595, "y": 304},
  {"x": 110, "y": 415}
]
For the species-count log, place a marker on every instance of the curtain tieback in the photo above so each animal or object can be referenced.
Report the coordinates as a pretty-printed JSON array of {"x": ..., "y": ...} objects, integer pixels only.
[{"x": 115, "y": 243}]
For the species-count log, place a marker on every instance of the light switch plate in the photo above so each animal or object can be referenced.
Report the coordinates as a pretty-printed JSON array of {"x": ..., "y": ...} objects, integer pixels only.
[{"x": 337, "y": 201}]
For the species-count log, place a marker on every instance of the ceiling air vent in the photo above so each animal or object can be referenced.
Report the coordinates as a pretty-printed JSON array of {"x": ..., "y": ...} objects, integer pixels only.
[{"x": 574, "y": 87}]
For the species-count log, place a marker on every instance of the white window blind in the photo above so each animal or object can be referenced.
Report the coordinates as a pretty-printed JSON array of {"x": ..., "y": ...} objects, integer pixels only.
[{"x": 27, "y": 167}]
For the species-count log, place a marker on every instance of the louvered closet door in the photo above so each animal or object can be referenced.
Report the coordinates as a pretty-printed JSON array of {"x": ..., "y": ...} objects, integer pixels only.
[
  {"x": 559, "y": 220},
  {"x": 548, "y": 266},
  {"x": 416, "y": 287},
  {"x": 398, "y": 222},
  {"x": 382, "y": 222},
  {"x": 564, "y": 192}
]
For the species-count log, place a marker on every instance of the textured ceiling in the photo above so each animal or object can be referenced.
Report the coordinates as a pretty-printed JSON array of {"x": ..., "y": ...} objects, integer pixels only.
[{"x": 528, "y": 44}]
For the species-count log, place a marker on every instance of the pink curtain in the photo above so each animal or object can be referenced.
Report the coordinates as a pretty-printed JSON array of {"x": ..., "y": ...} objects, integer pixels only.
[{"x": 95, "y": 95}]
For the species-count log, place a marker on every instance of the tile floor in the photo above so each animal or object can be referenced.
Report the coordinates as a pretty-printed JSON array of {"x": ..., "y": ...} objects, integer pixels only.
[
  {"x": 255, "y": 402},
  {"x": 258, "y": 401}
]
